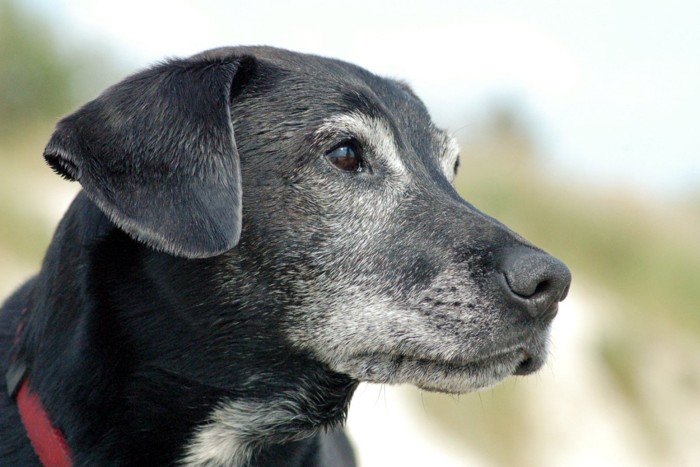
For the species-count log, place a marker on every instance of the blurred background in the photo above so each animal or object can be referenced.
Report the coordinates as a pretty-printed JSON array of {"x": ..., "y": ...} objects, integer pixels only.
[{"x": 578, "y": 127}]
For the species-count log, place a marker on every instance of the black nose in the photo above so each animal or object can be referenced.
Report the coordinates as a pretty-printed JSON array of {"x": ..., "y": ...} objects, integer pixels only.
[{"x": 536, "y": 280}]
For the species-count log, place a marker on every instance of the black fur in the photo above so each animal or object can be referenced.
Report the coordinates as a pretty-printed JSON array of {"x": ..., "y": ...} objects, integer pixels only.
[
  {"x": 157, "y": 300},
  {"x": 157, "y": 154},
  {"x": 131, "y": 355}
]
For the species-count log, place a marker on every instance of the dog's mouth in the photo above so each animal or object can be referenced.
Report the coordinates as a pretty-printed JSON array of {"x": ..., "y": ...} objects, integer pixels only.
[{"x": 450, "y": 375}]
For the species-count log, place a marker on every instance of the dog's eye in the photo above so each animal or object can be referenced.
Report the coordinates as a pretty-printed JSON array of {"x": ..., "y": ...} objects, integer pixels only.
[{"x": 347, "y": 157}]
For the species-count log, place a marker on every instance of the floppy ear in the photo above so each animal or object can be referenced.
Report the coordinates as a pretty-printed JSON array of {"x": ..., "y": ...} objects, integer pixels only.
[{"x": 157, "y": 154}]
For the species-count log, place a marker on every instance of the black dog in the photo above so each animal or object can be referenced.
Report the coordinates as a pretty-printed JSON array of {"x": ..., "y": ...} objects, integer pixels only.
[{"x": 259, "y": 231}]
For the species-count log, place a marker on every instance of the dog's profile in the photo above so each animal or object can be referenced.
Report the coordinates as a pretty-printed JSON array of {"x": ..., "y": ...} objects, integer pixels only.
[{"x": 258, "y": 232}]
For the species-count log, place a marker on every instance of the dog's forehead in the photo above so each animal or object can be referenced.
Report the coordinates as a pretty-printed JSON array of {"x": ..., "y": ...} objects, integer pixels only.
[
  {"x": 329, "y": 83},
  {"x": 345, "y": 88},
  {"x": 316, "y": 90},
  {"x": 351, "y": 85}
]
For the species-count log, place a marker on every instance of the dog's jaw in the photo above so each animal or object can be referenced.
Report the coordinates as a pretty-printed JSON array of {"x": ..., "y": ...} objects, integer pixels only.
[
  {"x": 458, "y": 371},
  {"x": 445, "y": 338},
  {"x": 454, "y": 376}
]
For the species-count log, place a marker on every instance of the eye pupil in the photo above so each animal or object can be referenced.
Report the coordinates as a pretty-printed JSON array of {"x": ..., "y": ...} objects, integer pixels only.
[{"x": 346, "y": 158}]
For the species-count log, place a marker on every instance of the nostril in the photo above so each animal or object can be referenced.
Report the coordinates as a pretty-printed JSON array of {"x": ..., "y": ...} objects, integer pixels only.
[
  {"x": 537, "y": 280},
  {"x": 542, "y": 287}
]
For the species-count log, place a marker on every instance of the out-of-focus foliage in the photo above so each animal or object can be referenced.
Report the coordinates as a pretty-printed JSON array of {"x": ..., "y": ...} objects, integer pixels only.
[
  {"x": 42, "y": 74},
  {"x": 35, "y": 78},
  {"x": 39, "y": 82}
]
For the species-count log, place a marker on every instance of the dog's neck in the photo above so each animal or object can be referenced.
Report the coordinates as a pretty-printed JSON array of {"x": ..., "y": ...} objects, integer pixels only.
[{"x": 161, "y": 348}]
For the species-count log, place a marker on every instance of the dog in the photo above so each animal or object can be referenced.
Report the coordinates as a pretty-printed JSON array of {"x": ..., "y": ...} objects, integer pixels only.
[{"x": 258, "y": 231}]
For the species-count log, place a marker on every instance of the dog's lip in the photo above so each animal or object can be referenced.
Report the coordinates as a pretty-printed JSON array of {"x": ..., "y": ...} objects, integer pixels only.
[
  {"x": 531, "y": 363},
  {"x": 459, "y": 363},
  {"x": 448, "y": 374}
]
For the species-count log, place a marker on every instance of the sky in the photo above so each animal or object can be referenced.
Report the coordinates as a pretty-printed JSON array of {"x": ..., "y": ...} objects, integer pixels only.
[{"x": 610, "y": 88}]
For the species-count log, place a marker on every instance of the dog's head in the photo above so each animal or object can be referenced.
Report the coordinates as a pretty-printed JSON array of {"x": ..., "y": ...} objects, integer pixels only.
[{"x": 333, "y": 188}]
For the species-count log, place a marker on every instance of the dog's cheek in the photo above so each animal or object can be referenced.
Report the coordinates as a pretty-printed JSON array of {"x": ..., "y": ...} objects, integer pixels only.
[{"x": 366, "y": 318}]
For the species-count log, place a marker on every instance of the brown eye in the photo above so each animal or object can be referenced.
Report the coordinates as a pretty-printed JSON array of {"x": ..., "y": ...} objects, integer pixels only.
[{"x": 347, "y": 157}]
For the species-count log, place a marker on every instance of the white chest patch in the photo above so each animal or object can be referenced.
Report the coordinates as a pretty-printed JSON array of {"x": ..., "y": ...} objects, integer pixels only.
[
  {"x": 235, "y": 429},
  {"x": 220, "y": 441}
]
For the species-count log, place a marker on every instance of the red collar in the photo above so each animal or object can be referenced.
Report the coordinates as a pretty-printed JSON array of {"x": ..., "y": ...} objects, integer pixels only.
[{"x": 48, "y": 442}]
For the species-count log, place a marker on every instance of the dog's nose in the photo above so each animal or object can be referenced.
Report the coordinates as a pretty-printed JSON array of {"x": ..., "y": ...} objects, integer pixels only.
[{"x": 536, "y": 280}]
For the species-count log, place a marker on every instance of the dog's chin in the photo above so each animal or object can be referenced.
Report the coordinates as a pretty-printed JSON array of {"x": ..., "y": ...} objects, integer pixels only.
[{"x": 454, "y": 376}]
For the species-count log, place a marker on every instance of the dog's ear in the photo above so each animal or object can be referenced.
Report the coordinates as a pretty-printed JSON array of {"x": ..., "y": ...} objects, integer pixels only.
[{"x": 157, "y": 154}]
